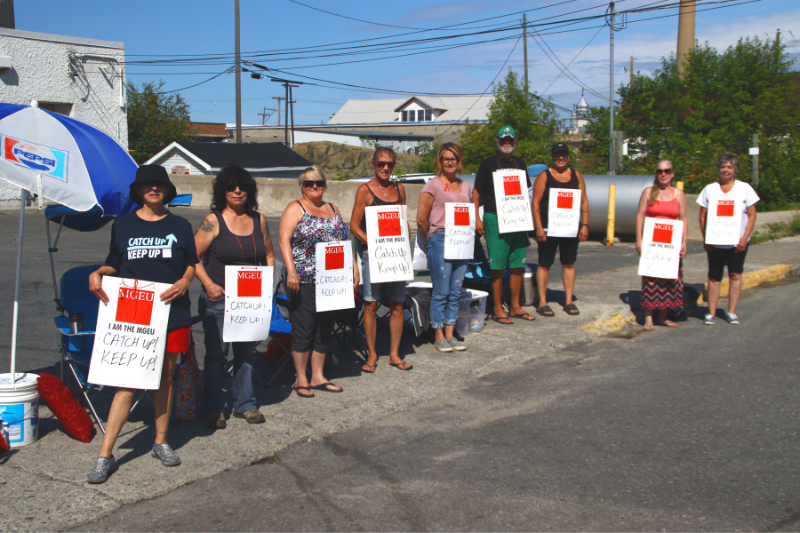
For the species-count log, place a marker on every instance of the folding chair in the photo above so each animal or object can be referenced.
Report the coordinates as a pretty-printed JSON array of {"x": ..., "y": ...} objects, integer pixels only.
[
  {"x": 348, "y": 329},
  {"x": 278, "y": 327},
  {"x": 76, "y": 348}
]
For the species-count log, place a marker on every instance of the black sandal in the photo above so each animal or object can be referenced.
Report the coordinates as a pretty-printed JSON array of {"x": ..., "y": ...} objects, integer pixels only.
[
  {"x": 572, "y": 309},
  {"x": 298, "y": 388},
  {"x": 546, "y": 311}
]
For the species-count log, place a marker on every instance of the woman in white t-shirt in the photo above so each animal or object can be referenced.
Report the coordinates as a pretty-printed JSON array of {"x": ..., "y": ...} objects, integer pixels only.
[{"x": 728, "y": 198}]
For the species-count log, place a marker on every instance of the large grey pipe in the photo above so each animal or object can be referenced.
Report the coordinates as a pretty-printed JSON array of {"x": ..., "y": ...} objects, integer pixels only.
[{"x": 629, "y": 191}]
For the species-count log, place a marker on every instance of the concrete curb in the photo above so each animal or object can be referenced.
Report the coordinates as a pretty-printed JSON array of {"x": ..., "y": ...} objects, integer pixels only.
[{"x": 754, "y": 278}]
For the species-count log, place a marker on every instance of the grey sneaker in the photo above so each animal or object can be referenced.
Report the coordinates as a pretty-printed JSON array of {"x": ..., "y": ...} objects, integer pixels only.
[
  {"x": 103, "y": 467},
  {"x": 166, "y": 454},
  {"x": 710, "y": 320},
  {"x": 253, "y": 416},
  {"x": 456, "y": 344},
  {"x": 442, "y": 345},
  {"x": 733, "y": 318}
]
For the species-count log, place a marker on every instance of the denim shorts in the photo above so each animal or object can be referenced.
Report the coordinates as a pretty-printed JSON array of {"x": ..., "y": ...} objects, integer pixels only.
[{"x": 396, "y": 290}]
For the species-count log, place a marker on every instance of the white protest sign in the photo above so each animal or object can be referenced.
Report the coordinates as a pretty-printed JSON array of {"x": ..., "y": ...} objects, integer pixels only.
[
  {"x": 564, "y": 213},
  {"x": 388, "y": 244},
  {"x": 512, "y": 201},
  {"x": 131, "y": 335},
  {"x": 724, "y": 221},
  {"x": 459, "y": 230},
  {"x": 334, "y": 276},
  {"x": 248, "y": 303},
  {"x": 661, "y": 248},
  {"x": 420, "y": 261}
]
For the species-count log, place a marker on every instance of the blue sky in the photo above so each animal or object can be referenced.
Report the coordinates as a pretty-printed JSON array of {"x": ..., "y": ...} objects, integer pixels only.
[{"x": 172, "y": 28}]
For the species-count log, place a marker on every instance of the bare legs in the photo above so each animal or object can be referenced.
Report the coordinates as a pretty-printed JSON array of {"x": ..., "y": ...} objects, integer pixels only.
[
  {"x": 543, "y": 277},
  {"x": 395, "y": 331},
  {"x": 121, "y": 408},
  {"x": 301, "y": 365},
  {"x": 515, "y": 285},
  {"x": 735, "y": 291}
]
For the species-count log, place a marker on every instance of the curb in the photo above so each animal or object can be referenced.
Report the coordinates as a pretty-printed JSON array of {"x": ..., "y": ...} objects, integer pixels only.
[
  {"x": 608, "y": 325},
  {"x": 753, "y": 278}
]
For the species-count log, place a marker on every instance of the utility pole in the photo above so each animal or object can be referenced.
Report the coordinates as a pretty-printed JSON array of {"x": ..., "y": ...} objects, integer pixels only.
[
  {"x": 754, "y": 153},
  {"x": 631, "y": 84},
  {"x": 291, "y": 103},
  {"x": 279, "y": 98},
  {"x": 238, "y": 80},
  {"x": 264, "y": 115},
  {"x": 525, "y": 47},
  {"x": 611, "y": 152},
  {"x": 685, "y": 32}
]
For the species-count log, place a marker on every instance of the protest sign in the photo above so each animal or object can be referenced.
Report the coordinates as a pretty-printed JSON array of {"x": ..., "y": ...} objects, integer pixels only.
[
  {"x": 334, "y": 276},
  {"x": 459, "y": 230},
  {"x": 388, "y": 244},
  {"x": 564, "y": 213},
  {"x": 420, "y": 261},
  {"x": 248, "y": 303},
  {"x": 512, "y": 201},
  {"x": 661, "y": 248},
  {"x": 131, "y": 335},
  {"x": 724, "y": 221}
]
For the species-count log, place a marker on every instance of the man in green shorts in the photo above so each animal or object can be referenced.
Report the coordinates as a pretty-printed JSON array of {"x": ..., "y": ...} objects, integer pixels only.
[{"x": 504, "y": 248}]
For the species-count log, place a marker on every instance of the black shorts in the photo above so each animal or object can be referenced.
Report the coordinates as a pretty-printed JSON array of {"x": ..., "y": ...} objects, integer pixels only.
[
  {"x": 568, "y": 247},
  {"x": 310, "y": 330},
  {"x": 719, "y": 258}
]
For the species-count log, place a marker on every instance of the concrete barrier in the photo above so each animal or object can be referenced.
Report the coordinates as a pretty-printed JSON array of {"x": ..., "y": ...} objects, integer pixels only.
[{"x": 274, "y": 194}]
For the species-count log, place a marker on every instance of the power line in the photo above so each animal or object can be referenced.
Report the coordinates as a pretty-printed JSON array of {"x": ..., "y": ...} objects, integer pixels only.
[{"x": 574, "y": 58}]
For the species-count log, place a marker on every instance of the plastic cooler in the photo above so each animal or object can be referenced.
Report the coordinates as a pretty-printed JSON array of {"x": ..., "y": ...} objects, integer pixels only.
[{"x": 471, "y": 311}]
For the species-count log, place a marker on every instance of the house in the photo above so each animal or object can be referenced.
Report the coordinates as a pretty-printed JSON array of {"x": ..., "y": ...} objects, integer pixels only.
[
  {"x": 75, "y": 76},
  {"x": 208, "y": 131},
  {"x": 417, "y": 118},
  {"x": 262, "y": 160}
]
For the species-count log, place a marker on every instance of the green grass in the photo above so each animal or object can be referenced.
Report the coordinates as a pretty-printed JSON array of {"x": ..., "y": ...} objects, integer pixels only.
[{"x": 778, "y": 230}]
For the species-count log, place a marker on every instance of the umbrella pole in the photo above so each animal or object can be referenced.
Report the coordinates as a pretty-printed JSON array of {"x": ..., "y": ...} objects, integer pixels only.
[{"x": 16, "y": 289}]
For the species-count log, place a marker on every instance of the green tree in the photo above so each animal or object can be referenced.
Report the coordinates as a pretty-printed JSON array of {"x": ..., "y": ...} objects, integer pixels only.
[
  {"x": 155, "y": 120},
  {"x": 715, "y": 105},
  {"x": 533, "y": 118}
]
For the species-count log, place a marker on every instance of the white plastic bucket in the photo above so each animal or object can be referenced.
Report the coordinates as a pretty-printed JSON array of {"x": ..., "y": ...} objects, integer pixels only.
[{"x": 19, "y": 408}]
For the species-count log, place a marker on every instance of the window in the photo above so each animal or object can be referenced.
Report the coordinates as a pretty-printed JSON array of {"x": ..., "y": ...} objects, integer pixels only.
[
  {"x": 61, "y": 109},
  {"x": 420, "y": 115},
  {"x": 428, "y": 115},
  {"x": 405, "y": 116}
]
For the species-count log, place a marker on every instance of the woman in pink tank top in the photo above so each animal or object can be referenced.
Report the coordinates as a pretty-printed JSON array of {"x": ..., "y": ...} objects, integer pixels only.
[{"x": 662, "y": 200}]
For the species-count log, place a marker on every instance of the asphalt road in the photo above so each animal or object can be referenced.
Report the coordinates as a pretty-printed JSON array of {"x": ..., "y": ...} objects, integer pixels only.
[
  {"x": 687, "y": 430},
  {"x": 38, "y": 339}
]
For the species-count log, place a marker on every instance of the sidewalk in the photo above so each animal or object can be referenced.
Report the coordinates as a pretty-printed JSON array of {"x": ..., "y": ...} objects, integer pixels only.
[{"x": 48, "y": 479}]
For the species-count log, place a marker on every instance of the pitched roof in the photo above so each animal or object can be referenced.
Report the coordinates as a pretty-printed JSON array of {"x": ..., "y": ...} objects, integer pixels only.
[
  {"x": 383, "y": 111},
  {"x": 251, "y": 156}
]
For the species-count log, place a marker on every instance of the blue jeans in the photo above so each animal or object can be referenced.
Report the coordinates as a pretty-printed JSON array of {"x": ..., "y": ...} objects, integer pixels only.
[
  {"x": 213, "y": 316},
  {"x": 447, "y": 276}
]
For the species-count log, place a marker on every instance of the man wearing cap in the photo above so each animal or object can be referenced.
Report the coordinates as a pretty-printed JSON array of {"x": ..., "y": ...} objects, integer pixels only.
[
  {"x": 559, "y": 176},
  {"x": 504, "y": 248}
]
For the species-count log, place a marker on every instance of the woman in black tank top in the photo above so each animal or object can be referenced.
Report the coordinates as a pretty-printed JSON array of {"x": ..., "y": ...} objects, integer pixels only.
[
  {"x": 567, "y": 246},
  {"x": 233, "y": 234}
]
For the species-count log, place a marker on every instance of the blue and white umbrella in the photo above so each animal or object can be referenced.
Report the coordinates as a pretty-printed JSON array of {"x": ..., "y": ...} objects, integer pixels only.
[{"x": 65, "y": 160}]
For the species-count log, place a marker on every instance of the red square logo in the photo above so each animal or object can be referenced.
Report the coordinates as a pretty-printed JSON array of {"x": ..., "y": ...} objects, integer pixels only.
[
  {"x": 725, "y": 208},
  {"x": 334, "y": 258},
  {"x": 248, "y": 283},
  {"x": 663, "y": 233},
  {"x": 389, "y": 224},
  {"x": 512, "y": 186},
  {"x": 135, "y": 306},
  {"x": 461, "y": 216},
  {"x": 564, "y": 200}
]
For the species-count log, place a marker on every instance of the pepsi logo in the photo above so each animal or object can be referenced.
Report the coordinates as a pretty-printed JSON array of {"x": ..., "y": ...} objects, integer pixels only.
[{"x": 35, "y": 156}]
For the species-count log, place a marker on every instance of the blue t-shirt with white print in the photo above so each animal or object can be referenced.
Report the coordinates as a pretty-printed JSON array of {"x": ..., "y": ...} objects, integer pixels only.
[{"x": 155, "y": 251}]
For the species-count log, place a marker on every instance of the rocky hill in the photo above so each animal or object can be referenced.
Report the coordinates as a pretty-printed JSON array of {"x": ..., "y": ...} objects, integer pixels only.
[{"x": 341, "y": 161}]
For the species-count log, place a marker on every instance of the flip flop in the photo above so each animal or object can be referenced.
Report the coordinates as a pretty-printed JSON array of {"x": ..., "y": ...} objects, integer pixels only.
[
  {"x": 546, "y": 311},
  {"x": 649, "y": 327},
  {"x": 369, "y": 369},
  {"x": 668, "y": 323},
  {"x": 572, "y": 309},
  {"x": 402, "y": 365},
  {"x": 506, "y": 320},
  {"x": 298, "y": 388},
  {"x": 326, "y": 387},
  {"x": 523, "y": 316}
]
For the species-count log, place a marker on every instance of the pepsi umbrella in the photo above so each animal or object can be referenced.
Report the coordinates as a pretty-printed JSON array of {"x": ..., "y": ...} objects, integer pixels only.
[{"x": 65, "y": 160}]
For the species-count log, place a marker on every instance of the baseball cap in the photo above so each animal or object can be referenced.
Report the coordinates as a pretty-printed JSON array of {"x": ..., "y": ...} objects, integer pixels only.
[
  {"x": 558, "y": 148},
  {"x": 506, "y": 131}
]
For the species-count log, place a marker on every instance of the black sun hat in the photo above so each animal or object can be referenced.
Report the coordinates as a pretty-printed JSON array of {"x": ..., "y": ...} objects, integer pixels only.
[{"x": 150, "y": 174}]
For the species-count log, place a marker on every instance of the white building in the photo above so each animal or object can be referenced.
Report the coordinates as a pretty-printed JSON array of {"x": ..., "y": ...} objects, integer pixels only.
[
  {"x": 416, "y": 109},
  {"x": 580, "y": 118},
  {"x": 74, "y": 76}
]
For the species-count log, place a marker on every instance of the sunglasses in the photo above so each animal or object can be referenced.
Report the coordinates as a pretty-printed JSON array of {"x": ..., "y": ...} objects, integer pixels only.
[
  {"x": 381, "y": 164},
  {"x": 310, "y": 183},
  {"x": 230, "y": 187},
  {"x": 663, "y": 171},
  {"x": 449, "y": 160}
]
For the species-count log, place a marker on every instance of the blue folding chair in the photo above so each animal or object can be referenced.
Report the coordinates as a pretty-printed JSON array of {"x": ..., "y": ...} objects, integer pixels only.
[
  {"x": 76, "y": 348},
  {"x": 278, "y": 326}
]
